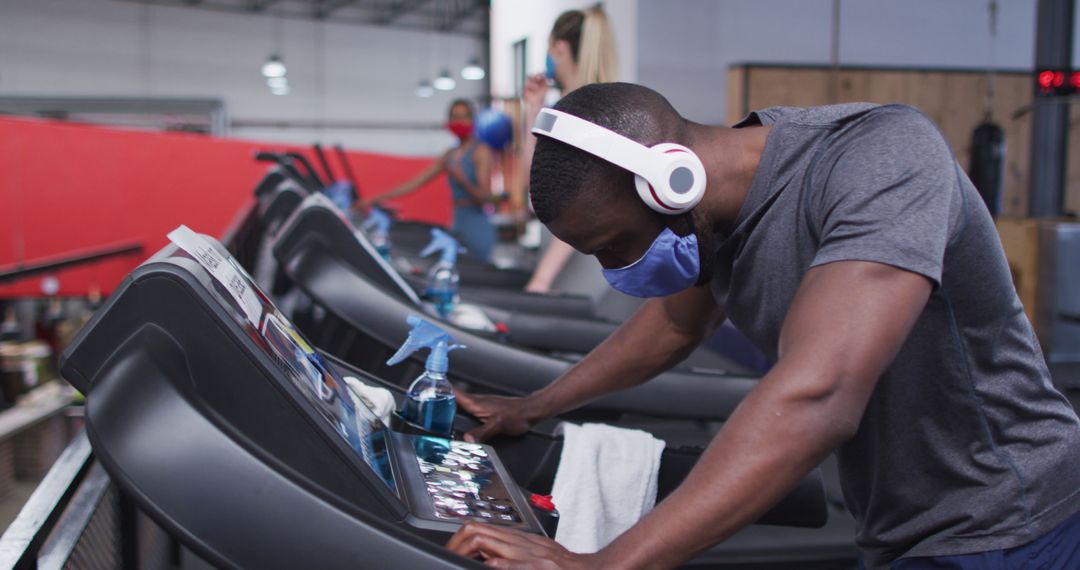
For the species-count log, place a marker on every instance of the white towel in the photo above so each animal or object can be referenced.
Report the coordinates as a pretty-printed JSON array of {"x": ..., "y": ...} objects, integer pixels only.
[
  {"x": 380, "y": 400},
  {"x": 605, "y": 483}
]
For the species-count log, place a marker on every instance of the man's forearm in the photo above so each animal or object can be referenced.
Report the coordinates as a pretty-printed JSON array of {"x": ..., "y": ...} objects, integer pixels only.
[
  {"x": 644, "y": 346},
  {"x": 776, "y": 436}
]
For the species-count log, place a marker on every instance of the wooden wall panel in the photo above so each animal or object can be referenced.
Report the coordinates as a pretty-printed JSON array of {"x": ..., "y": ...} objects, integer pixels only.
[
  {"x": 955, "y": 100},
  {"x": 1072, "y": 170},
  {"x": 734, "y": 111}
]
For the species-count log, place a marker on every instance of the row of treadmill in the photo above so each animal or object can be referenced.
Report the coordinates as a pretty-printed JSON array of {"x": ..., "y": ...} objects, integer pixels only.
[{"x": 216, "y": 400}]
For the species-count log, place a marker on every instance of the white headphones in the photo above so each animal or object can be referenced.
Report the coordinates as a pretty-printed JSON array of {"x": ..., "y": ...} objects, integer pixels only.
[{"x": 669, "y": 177}]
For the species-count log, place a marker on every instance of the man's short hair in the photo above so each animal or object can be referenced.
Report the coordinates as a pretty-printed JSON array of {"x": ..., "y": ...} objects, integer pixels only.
[{"x": 562, "y": 174}]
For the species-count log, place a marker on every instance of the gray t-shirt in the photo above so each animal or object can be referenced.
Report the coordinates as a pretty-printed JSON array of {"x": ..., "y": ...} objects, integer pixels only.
[{"x": 965, "y": 445}]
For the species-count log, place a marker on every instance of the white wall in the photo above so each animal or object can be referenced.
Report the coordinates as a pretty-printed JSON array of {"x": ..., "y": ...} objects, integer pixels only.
[
  {"x": 337, "y": 72},
  {"x": 512, "y": 20},
  {"x": 686, "y": 46}
]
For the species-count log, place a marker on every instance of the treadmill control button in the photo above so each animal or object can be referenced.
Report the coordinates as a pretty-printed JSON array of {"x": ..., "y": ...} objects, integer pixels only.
[{"x": 542, "y": 502}]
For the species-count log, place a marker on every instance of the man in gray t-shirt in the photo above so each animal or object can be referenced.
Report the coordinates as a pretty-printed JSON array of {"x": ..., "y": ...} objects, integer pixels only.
[{"x": 847, "y": 244}]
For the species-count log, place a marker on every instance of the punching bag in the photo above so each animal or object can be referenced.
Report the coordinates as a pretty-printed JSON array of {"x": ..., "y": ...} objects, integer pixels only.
[{"x": 987, "y": 167}]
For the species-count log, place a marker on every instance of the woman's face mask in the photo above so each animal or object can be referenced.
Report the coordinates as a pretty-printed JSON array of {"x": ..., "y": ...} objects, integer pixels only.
[
  {"x": 461, "y": 129},
  {"x": 671, "y": 264}
]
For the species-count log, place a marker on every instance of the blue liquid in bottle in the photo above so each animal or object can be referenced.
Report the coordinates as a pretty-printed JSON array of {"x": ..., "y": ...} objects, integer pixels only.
[
  {"x": 430, "y": 403},
  {"x": 435, "y": 415},
  {"x": 443, "y": 300}
]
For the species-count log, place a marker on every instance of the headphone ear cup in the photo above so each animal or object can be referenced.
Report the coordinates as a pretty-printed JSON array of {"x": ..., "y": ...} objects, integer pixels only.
[{"x": 683, "y": 169}]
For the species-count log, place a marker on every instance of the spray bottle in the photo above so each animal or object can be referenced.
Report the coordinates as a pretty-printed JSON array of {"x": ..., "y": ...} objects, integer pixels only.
[
  {"x": 377, "y": 228},
  {"x": 443, "y": 278},
  {"x": 430, "y": 402}
]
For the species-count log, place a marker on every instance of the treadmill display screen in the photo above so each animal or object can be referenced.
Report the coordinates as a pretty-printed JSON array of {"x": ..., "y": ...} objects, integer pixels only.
[{"x": 321, "y": 385}]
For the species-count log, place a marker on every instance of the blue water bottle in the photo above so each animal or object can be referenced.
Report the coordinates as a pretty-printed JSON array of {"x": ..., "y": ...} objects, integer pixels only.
[
  {"x": 443, "y": 279},
  {"x": 377, "y": 228},
  {"x": 430, "y": 401}
]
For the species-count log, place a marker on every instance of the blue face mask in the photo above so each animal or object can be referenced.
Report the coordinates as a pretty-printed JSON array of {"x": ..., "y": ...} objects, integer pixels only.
[
  {"x": 549, "y": 68},
  {"x": 670, "y": 265}
]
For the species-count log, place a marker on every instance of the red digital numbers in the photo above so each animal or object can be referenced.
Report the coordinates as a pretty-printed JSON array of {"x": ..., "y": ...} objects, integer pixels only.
[{"x": 1057, "y": 82}]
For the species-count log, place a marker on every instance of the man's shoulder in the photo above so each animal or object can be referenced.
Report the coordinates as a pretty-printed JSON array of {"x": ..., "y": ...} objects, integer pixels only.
[{"x": 844, "y": 114}]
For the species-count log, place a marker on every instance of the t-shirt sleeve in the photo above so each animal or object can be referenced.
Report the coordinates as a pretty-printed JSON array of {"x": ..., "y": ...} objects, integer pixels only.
[{"x": 890, "y": 193}]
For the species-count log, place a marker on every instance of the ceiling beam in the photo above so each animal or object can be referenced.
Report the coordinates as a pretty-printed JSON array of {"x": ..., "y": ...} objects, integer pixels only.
[
  {"x": 431, "y": 15},
  {"x": 461, "y": 14},
  {"x": 261, "y": 5},
  {"x": 325, "y": 8},
  {"x": 399, "y": 9}
]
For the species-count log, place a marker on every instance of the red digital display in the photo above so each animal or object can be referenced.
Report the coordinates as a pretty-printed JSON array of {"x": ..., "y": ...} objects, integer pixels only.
[
  {"x": 1053, "y": 82},
  {"x": 1046, "y": 79}
]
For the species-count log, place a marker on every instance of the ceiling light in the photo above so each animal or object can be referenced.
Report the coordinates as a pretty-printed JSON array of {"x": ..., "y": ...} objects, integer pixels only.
[
  {"x": 273, "y": 67},
  {"x": 473, "y": 71},
  {"x": 277, "y": 82},
  {"x": 424, "y": 90},
  {"x": 444, "y": 82},
  {"x": 281, "y": 90}
]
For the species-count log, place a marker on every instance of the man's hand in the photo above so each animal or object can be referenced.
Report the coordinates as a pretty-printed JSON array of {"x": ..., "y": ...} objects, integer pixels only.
[
  {"x": 499, "y": 414},
  {"x": 506, "y": 548}
]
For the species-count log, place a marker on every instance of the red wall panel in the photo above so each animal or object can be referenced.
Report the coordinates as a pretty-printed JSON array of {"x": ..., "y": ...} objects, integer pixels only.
[{"x": 66, "y": 187}]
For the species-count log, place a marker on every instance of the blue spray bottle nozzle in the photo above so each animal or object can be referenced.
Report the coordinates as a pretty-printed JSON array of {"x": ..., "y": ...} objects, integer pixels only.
[
  {"x": 425, "y": 334},
  {"x": 444, "y": 242},
  {"x": 376, "y": 219}
]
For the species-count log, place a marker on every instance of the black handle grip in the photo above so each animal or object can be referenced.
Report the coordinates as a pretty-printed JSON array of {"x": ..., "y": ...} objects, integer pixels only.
[{"x": 267, "y": 156}]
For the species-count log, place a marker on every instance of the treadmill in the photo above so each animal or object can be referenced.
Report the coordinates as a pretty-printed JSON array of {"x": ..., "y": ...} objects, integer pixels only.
[
  {"x": 245, "y": 232},
  {"x": 222, "y": 423}
]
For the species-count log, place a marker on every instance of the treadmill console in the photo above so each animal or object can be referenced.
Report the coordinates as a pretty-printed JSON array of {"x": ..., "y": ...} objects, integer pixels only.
[
  {"x": 188, "y": 353},
  {"x": 462, "y": 482}
]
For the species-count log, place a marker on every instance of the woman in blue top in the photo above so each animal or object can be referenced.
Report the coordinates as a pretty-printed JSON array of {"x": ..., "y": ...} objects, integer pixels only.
[{"x": 468, "y": 168}]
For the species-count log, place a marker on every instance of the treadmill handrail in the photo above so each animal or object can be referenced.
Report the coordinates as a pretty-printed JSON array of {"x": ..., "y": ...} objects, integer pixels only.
[
  {"x": 20, "y": 270},
  {"x": 349, "y": 174},
  {"x": 312, "y": 174}
]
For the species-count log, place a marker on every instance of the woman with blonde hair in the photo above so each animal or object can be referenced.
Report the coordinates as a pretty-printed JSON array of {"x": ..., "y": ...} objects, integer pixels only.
[{"x": 581, "y": 50}]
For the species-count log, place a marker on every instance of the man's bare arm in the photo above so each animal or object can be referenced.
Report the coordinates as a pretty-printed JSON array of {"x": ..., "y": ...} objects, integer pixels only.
[
  {"x": 662, "y": 333},
  {"x": 845, "y": 326}
]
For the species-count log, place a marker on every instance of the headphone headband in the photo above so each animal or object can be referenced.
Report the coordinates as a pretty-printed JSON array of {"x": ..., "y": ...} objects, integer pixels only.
[{"x": 669, "y": 177}]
